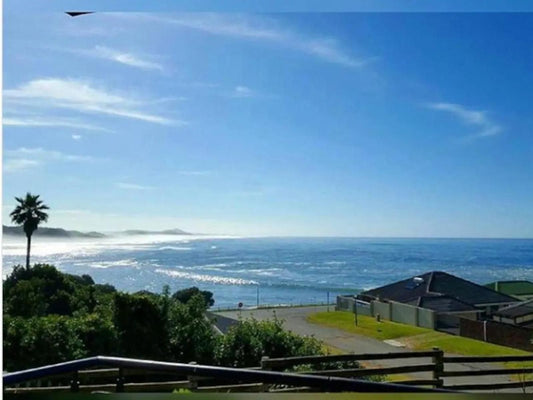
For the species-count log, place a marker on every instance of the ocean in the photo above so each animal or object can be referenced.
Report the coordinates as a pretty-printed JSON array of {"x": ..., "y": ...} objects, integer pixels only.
[{"x": 273, "y": 271}]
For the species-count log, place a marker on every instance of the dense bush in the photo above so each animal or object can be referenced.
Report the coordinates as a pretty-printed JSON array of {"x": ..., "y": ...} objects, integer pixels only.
[
  {"x": 247, "y": 342},
  {"x": 185, "y": 295},
  {"x": 43, "y": 290},
  {"x": 191, "y": 335},
  {"x": 36, "y": 341},
  {"x": 140, "y": 326}
]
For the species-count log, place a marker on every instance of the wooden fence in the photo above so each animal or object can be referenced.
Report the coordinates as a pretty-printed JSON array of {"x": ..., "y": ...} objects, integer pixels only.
[
  {"x": 439, "y": 366},
  {"x": 432, "y": 362},
  {"x": 521, "y": 373}
]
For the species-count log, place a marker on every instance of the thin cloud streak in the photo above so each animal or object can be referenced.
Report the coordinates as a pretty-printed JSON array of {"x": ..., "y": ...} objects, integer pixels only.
[
  {"x": 81, "y": 96},
  {"x": 195, "y": 173},
  {"x": 25, "y": 121},
  {"x": 121, "y": 57},
  {"x": 42, "y": 154},
  {"x": 475, "y": 118},
  {"x": 23, "y": 158},
  {"x": 244, "y": 27},
  {"x": 18, "y": 164},
  {"x": 132, "y": 186},
  {"x": 242, "y": 91}
]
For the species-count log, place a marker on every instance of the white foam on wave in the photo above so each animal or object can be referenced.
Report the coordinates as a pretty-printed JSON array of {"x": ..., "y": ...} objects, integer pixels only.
[
  {"x": 208, "y": 266},
  {"x": 258, "y": 271},
  {"x": 177, "y": 248},
  {"x": 110, "y": 264},
  {"x": 297, "y": 263},
  {"x": 221, "y": 280},
  {"x": 70, "y": 248}
]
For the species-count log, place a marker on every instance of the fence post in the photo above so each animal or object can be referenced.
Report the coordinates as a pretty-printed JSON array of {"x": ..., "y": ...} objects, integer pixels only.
[
  {"x": 75, "y": 383},
  {"x": 120, "y": 381},
  {"x": 439, "y": 366},
  {"x": 193, "y": 382},
  {"x": 264, "y": 363}
]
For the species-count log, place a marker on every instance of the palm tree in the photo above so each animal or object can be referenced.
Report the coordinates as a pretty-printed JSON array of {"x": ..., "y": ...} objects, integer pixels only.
[{"x": 29, "y": 213}]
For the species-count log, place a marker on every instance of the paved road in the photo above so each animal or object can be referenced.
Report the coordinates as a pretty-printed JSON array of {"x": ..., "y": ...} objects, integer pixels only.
[{"x": 295, "y": 321}]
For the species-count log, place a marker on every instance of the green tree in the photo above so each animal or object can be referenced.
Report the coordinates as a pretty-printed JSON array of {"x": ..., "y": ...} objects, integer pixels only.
[
  {"x": 29, "y": 213},
  {"x": 98, "y": 334},
  {"x": 38, "y": 341},
  {"x": 38, "y": 291},
  {"x": 185, "y": 295},
  {"x": 140, "y": 326},
  {"x": 191, "y": 334}
]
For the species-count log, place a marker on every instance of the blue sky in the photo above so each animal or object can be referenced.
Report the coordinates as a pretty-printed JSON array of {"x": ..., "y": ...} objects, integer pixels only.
[{"x": 346, "y": 124}]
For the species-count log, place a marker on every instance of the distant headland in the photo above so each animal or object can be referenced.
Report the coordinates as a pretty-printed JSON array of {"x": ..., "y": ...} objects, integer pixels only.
[{"x": 63, "y": 233}]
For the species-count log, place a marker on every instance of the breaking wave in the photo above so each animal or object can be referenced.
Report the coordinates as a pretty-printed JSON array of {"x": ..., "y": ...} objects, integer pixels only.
[
  {"x": 110, "y": 264},
  {"x": 221, "y": 280}
]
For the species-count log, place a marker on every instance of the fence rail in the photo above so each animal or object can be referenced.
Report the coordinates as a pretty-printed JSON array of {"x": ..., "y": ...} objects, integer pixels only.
[
  {"x": 486, "y": 359},
  {"x": 267, "y": 377},
  {"x": 240, "y": 376},
  {"x": 293, "y": 361},
  {"x": 438, "y": 366}
]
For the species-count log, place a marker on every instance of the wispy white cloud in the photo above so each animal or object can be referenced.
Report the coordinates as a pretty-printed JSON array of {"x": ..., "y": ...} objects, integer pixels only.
[
  {"x": 76, "y": 137},
  {"x": 25, "y": 158},
  {"x": 18, "y": 164},
  {"x": 43, "y": 154},
  {"x": 195, "y": 173},
  {"x": 83, "y": 97},
  {"x": 132, "y": 186},
  {"x": 268, "y": 30},
  {"x": 479, "y": 119},
  {"x": 242, "y": 91},
  {"x": 121, "y": 57},
  {"x": 31, "y": 121}
]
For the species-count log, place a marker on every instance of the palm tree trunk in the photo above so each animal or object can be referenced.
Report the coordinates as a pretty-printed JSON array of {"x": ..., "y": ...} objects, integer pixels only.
[{"x": 28, "y": 253}]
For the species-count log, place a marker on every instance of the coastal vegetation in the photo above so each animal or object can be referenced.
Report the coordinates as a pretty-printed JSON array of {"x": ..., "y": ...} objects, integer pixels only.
[{"x": 51, "y": 317}]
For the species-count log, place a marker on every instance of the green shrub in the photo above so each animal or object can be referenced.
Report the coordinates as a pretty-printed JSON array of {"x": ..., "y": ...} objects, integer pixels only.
[
  {"x": 185, "y": 295},
  {"x": 191, "y": 334},
  {"x": 247, "y": 342},
  {"x": 141, "y": 327},
  {"x": 37, "y": 341}
]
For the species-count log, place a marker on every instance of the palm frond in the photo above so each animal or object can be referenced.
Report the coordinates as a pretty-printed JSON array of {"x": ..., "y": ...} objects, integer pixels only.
[{"x": 29, "y": 212}]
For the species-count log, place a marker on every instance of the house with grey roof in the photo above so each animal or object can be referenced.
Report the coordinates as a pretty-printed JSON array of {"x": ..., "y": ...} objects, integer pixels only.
[
  {"x": 449, "y": 296},
  {"x": 520, "y": 314}
]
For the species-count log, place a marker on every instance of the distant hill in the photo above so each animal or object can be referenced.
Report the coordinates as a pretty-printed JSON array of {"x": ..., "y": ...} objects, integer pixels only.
[
  {"x": 165, "y": 232},
  {"x": 51, "y": 232},
  {"x": 63, "y": 233}
]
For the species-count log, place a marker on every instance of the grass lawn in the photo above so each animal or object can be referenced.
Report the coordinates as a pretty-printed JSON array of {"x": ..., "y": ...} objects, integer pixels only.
[
  {"x": 458, "y": 345},
  {"x": 367, "y": 326},
  {"x": 417, "y": 338},
  {"x": 413, "y": 337}
]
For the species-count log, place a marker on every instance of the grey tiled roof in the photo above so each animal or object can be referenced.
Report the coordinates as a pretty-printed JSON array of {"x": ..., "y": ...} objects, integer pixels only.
[
  {"x": 516, "y": 310},
  {"x": 438, "y": 283}
]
